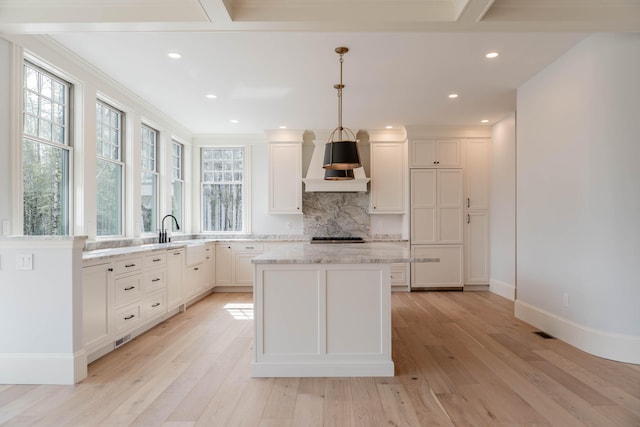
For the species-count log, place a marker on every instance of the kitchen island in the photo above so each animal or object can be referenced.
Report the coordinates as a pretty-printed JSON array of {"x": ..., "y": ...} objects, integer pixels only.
[{"x": 325, "y": 310}]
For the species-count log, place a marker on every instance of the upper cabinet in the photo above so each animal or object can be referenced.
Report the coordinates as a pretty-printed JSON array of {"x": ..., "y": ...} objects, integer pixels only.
[
  {"x": 435, "y": 153},
  {"x": 387, "y": 178},
  {"x": 285, "y": 177},
  {"x": 477, "y": 158}
]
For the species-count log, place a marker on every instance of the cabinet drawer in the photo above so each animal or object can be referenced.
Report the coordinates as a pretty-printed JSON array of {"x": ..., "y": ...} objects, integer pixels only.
[
  {"x": 154, "y": 305},
  {"x": 128, "y": 317},
  {"x": 155, "y": 259},
  {"x": 128, "y": 265},
  {"x": 399, "y": 274},
  {"x": 248, "y": 247},
  {"x": 154, "y": 279},
  {"x": 128, "y": 288}
]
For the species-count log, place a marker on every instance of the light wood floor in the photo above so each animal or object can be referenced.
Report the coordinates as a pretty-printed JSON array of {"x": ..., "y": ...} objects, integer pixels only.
[{"x": 461, "y": 359}]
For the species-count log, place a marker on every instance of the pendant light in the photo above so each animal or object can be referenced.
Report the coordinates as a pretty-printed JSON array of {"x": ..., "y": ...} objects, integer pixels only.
[{"x": 341, "y": 152}]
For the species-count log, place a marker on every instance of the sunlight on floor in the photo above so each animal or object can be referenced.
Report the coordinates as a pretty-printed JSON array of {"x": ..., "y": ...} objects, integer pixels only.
[{"x": 243, "y": 311}]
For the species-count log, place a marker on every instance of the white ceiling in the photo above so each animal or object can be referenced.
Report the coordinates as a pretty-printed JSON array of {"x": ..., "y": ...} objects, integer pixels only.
[{"x": 272, "y": 62}]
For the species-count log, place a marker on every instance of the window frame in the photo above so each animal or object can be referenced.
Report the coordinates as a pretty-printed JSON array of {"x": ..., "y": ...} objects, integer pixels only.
[
  {"x": 180, "y": 180},
  {"x": 120, "y": 162},
  {"x": 155, "y": 220},
  {"x": 246, "y": 189},
  {"x": 66, "y": 147}
]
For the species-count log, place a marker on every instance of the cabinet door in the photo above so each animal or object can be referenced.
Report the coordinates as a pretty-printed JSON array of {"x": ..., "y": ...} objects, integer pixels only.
[
  {"x": 285, "y": 178},
  {"x": 210, "y": 265},
  {"x": 224, "y": 269},
  {"x": 449, "y": 206},
  {"x": 444, "y": 274},
  {"x": 435, "y": 153},
  {"x": 422, "y": 153},
  {"x": 194, "y": 280},
  {"x": 423, "y": 205},
  {"x": 476, "y": 245},
  {"x": 449, "y": 153},
  {"x": 244, "y": 268},
  {"x": 387, "y": 178},
  {"x": 95, "y": 305},
  {"x": 175, "y": 267},
  {"x": 478, "y": 155}
]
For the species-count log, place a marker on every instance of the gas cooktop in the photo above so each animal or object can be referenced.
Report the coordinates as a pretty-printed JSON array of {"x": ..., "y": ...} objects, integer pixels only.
[{"x": 342, "y": 239}]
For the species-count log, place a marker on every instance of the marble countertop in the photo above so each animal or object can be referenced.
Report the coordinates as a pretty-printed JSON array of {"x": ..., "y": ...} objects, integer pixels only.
[
  {"x": 349, "y": 253},
  {"x": 131, "y": 250}
]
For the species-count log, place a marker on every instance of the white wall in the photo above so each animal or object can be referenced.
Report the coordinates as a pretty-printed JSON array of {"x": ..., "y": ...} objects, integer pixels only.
[
  {"x": 578, "y": 199},
  {"x": 502, "y": 226}
]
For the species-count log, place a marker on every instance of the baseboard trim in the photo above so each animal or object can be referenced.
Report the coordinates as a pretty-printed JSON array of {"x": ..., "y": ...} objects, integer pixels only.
[
  {"x": 503, "y": 289},
  {"x": 337, "y": 369},
  {"x": 618, "y": 347},
  {"x": 43, "y": 368}
]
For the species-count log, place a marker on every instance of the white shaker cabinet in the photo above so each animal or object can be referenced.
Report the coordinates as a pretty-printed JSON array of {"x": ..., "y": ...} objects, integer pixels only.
[
  {"x": 387, "y": 178},
  {"x": 233, "y": 263},
  {"x": 477, "y": 163},
  {"x": 435, "y": 153},
  {"x": 175, "y": 268},
  {"x": 95, "y": 306},
  {"x": 224, "y": 259},
  {"x": 476, "y": 243},
  {"x": 436, "y": 206},
  {"x": 285, "y": 177},
  {"x": 445, "y": 274}
]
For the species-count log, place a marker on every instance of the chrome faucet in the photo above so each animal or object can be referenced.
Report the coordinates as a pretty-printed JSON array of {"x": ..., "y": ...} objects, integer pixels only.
[{"x": 162, "y": 235}]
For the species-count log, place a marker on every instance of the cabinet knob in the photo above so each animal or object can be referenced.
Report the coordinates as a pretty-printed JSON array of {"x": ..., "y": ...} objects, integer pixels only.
[{"x": 109, "y": 269}]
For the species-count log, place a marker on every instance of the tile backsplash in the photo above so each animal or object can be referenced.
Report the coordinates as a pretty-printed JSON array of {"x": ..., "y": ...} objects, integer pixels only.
[{"x": 335, "y": 214}]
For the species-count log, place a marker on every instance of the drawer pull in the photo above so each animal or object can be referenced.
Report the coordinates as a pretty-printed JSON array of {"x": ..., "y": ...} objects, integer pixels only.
[
  {"x": 248, "y": 247},
  {"x": 155, "y": 305},
  {"x": 155, "y": 280},
  {"x": 196, "y": 269},
  {"x": 109, "y": 269},
  {"x": 129, "y": 265},
  {"x": 128, "y": 288},
  {"x": 157, "y": 259},
  {"x": 177, "y": 253},
  {"x": 129, "y": 317}
]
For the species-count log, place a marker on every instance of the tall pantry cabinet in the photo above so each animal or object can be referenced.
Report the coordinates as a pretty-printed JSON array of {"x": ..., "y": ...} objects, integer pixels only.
[{"x": 449, "y": 216}]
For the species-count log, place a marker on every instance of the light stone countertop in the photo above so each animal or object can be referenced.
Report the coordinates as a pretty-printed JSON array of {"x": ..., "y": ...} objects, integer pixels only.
[
  {"x": 130, "y": 250},
  {"x": 344, "y": 253}
]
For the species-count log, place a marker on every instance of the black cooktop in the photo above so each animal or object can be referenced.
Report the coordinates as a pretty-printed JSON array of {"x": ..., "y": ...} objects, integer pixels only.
[{"x": 341, "y": 239}]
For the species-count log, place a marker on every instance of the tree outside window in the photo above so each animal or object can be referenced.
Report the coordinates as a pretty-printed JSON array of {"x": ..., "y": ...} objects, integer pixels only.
[
  {"x": 149, "y": 180},
  {"x": 45, "y": 153},
  {"x": 222, "y": 189}
]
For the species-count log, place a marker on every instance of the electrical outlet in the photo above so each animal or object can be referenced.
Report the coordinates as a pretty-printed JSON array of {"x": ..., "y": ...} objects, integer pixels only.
[
  {"x": 24, "y": 262},
  {"x": 289, "y": 225},
  {"x": 565, "y": 299}
]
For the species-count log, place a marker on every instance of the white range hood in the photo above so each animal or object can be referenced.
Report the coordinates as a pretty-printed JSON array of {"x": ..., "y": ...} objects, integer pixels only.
[{"x": 315, "y": 182}]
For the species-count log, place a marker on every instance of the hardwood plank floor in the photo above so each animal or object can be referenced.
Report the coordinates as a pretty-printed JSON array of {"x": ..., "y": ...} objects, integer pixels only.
[{"x": 461, "y": 359}]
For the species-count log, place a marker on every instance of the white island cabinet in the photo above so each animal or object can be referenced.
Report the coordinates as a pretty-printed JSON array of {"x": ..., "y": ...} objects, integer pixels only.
[{"x": 325, "y": 310}]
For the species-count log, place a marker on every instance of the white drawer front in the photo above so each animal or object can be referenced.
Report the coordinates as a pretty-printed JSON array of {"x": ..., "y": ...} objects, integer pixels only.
[
  {"x": 128, "y": 317},
  {"x": 248, "y": 247},
  {"x": 154, "y": 280},
  {"x": 154, "y": 305},
  {"x": 399, "y": 274},
  {"x": 128, "y": 289},
  {"x": 128, "y": 265},
  {"x": 155, "y": 259}
]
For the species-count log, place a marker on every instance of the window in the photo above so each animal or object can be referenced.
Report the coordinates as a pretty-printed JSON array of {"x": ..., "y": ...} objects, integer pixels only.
[
  {"x": 149, "y": 182},
  {"x": 46, "y": 152},
  {"x": 177, "y": 182},
  {"x": 222, "y": 189},
  {"x": 110, "y": 167}
]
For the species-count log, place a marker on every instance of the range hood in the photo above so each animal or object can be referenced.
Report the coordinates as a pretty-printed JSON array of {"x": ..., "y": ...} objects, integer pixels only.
[{"x": 315, "y": 182}]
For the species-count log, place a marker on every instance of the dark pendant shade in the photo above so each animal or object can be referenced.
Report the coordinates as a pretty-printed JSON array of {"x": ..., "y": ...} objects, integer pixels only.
[
  {"x": 341, "y": 155},
  {"x": 338, "y": 174}
]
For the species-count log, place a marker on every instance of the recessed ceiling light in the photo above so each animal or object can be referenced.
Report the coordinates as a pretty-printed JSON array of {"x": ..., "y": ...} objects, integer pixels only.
[
  {"x": 492, "y": 55},
  {"x": 233, "y": 121},
  {"x": 174, "y": 55},
  {"x": 211, "y": 96},
  {"x": 389, "y": 127},
  {"x": 283, "y": 127},
  {"x": 453, "y": 95},
  {"x": 484, "y": 121}
]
